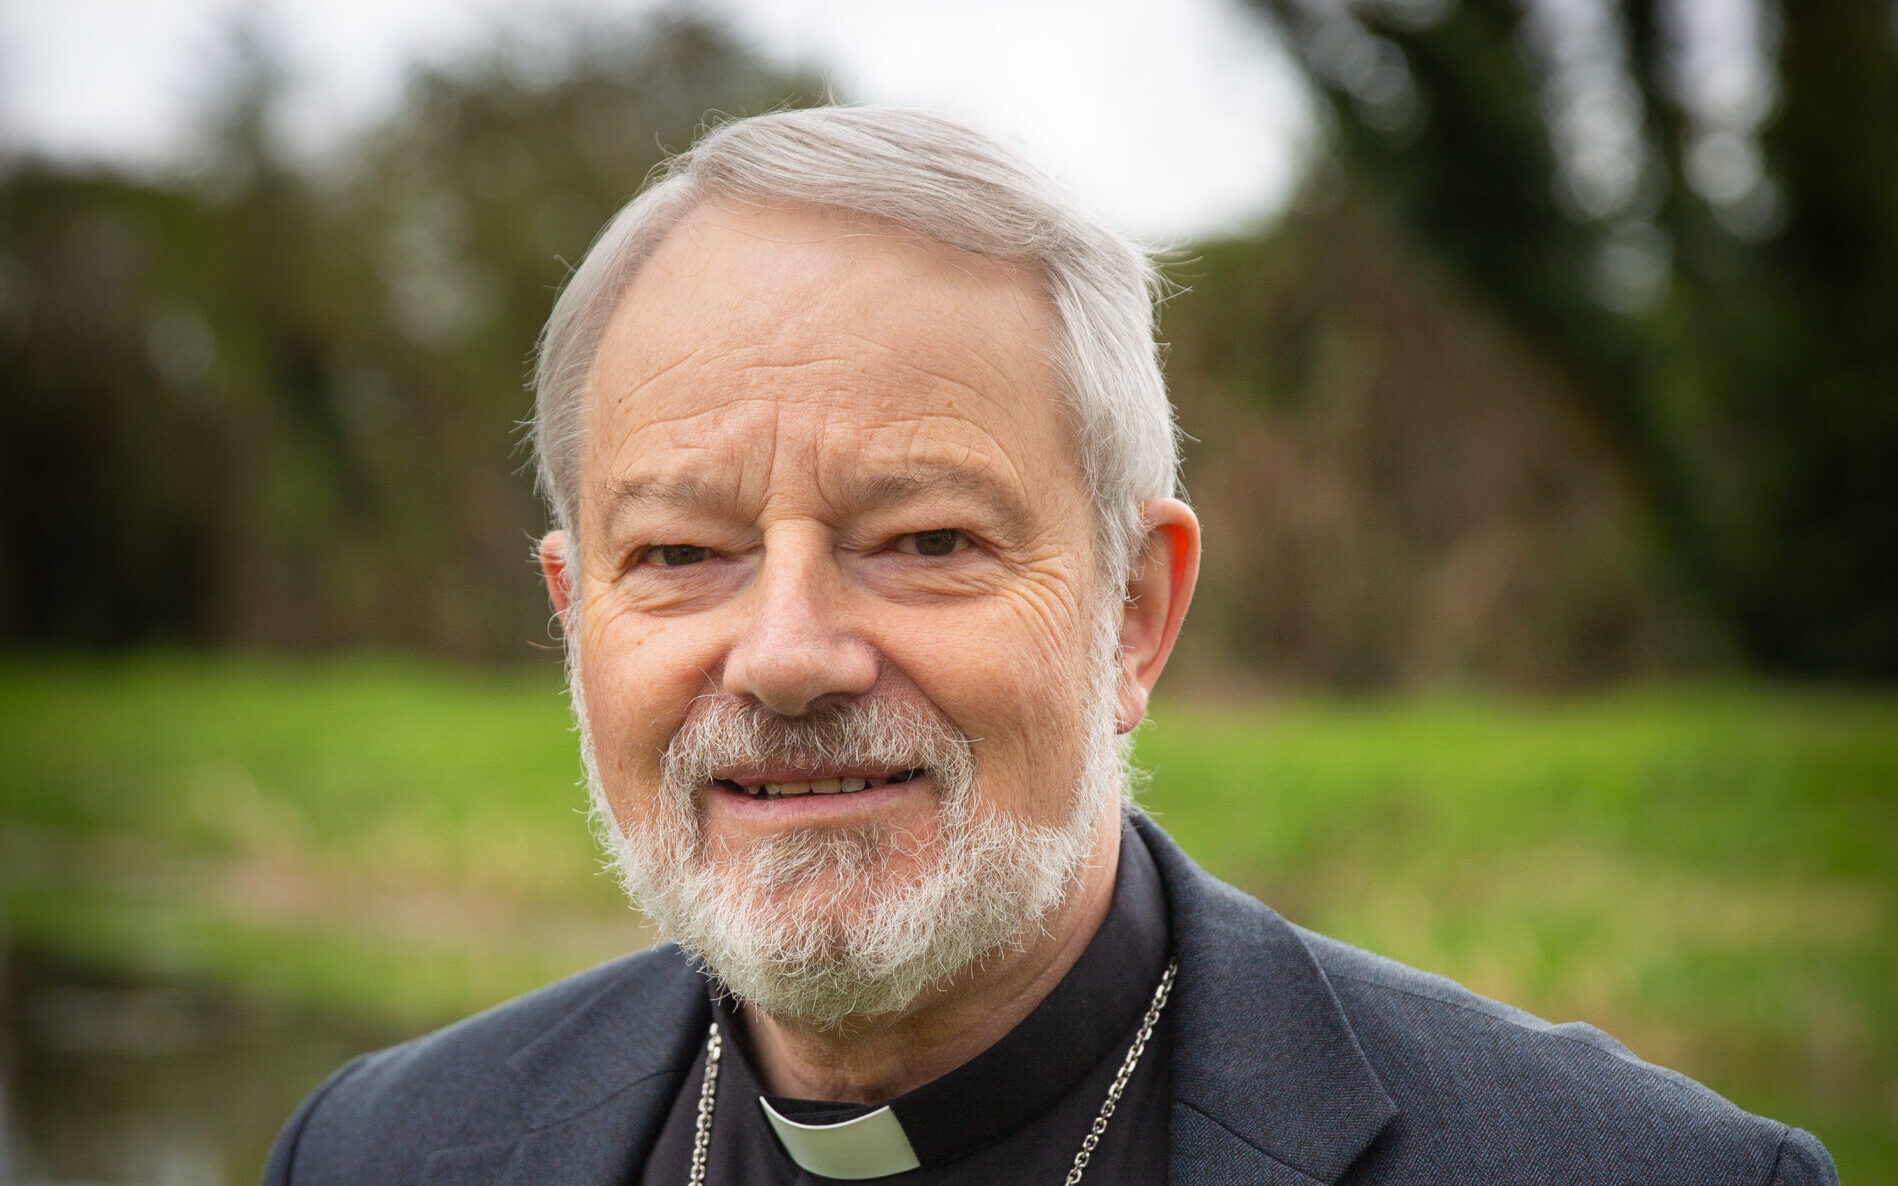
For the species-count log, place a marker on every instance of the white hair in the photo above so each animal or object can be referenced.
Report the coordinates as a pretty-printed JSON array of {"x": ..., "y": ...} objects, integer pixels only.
[
  {"x": 936, "y": 179},
  {"x": 812, "y": 925}
]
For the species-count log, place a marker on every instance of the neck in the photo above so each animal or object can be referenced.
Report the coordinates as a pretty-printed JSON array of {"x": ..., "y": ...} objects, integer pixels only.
[{"x": 879, "y": 1059}]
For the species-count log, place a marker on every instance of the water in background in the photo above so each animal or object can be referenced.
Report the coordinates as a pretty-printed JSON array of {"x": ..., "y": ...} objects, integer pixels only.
[{"x": 105, "y": 1080}]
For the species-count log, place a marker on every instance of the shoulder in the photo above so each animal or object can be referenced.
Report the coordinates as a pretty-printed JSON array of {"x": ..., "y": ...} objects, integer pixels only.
[
  {"x": 1395, "y": 1006},
  {"x": 494, "y": 1076},
  {"x": 1488, "y": 1091},
  {"x": 1327, "y": 1058}
]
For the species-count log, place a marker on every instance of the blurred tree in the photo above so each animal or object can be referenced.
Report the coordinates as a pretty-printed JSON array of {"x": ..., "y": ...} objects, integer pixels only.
[
  {"x": 106, "y": 523},
  {"x": 1396, "y": 489},
  {"x": 1694, "y": 209},
  {"x": 271, "y": 403}
]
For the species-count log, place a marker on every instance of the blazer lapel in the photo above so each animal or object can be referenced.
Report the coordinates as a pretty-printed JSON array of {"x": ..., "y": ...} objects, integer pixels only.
[
  {"x": 1270, "y": 1084},
  {"x": 596, "y": 1088}
]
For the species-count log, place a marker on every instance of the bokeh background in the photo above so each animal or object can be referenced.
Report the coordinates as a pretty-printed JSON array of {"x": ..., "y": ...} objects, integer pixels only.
[{"x": 1540, "y": 360}]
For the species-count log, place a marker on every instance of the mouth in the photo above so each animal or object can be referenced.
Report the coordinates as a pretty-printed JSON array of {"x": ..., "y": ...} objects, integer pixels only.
[{"x": 840, "y": 785}]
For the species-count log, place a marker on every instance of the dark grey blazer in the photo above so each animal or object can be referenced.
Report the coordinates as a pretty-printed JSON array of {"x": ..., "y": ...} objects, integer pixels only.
[{"x": 1298, "y": 1060}]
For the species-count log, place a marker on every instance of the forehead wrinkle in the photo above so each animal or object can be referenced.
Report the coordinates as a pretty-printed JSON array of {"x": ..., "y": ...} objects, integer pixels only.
[
  {"x": 743, "y": 365},
  {"x": 938, "y": 361},
  {"x": 621, "y": 395},
  {"x": 985, "y": 456},
  {"x": 675, "y": 489}
]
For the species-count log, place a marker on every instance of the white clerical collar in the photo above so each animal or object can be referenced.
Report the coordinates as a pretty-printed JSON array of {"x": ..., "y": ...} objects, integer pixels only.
[{"x": 873, "y": 1145}]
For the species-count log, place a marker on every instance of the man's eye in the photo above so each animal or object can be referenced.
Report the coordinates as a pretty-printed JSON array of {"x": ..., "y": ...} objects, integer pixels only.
[
  {"x": 677, "y": 555},
  {"x": 941, "y": 542}
]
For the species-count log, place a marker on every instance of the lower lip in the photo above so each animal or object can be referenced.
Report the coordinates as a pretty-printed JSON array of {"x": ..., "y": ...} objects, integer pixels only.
[{"x": 794, "y": 810}]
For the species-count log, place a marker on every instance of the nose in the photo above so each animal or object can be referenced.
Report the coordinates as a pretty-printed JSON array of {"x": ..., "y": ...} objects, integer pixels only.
[{"x": 795, "y": 650}]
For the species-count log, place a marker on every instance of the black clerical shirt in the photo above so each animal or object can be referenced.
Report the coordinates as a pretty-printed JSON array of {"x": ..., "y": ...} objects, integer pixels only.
[{"x": 1015, "y": 1113}]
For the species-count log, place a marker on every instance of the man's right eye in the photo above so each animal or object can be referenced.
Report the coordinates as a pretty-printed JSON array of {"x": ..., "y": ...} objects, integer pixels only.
[{"x": 677, "y": 555}]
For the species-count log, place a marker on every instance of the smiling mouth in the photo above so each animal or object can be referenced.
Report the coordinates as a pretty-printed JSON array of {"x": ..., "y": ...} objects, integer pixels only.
[{"x": 820, "y": 786}]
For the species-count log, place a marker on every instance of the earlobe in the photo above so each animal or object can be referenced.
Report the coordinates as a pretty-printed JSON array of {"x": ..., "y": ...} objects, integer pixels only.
[
  {"x": 1158, "y": 593},
  {"x": 552, "y": 553}
]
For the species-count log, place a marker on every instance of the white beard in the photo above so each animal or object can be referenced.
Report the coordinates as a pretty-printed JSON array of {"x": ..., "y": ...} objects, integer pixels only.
[{"x": 814, "y": 926}]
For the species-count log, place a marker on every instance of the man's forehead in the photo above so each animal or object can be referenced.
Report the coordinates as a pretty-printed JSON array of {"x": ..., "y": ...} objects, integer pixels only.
[
  {"x": 799, "y": 325},
  {"x": 763, "y": 286}
]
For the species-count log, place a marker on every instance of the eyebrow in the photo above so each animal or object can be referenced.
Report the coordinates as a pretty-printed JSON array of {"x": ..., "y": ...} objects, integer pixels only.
[
  {"x": 916, "y": 482},
  {"x": 919, "y": 481},
  {"x": 682, "y": 493},
  {"x": 686, "y": 493}
]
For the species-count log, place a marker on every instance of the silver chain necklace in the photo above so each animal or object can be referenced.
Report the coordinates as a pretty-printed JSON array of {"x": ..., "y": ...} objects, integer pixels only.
[{"x": 714, "y": 1046}]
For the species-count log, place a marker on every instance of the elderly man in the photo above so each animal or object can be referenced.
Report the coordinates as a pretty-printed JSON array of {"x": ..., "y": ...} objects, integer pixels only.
[{"x": 868, "y": 554}]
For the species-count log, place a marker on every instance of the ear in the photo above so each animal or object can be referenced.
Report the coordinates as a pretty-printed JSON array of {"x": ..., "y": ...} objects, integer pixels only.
[
  {"x": 553, "y": 566},
  {"x": 1158, "y": 593}
]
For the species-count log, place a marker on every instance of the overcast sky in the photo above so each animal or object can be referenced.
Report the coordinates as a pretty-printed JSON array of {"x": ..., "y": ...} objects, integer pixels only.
[{"x": 1173, "y": 118}]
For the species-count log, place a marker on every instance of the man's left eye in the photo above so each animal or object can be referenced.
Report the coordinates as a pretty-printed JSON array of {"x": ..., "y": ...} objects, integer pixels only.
[
  {"x": 676, "y": 555},
  {"x": 941, "y": 542}
]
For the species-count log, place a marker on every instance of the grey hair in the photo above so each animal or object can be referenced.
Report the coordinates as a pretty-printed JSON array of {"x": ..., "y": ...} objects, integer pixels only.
[{"x": 942, "y": 181}]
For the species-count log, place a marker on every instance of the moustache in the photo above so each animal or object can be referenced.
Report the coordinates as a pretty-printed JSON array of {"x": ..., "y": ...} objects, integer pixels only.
[{"x": 723, "y": 733}]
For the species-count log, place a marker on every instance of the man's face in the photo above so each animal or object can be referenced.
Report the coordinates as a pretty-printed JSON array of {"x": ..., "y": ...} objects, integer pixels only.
[{"x": 825, "y": 467}]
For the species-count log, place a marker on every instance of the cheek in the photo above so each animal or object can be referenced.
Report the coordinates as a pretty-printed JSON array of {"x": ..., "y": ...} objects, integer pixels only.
[
  {"x": 639, "y": 680},
  {"x": 1018, "y": 683}
]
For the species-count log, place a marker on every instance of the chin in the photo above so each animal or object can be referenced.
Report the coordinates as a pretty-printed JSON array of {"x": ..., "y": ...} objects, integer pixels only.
[{"x": 827, "y": 926}]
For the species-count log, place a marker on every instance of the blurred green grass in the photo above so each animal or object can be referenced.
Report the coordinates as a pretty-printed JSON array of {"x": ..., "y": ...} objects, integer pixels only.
[{"x": 1710, "y": 873}]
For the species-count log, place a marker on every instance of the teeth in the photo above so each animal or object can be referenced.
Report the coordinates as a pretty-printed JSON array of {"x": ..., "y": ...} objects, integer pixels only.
[{"x": 823, "y": 786}]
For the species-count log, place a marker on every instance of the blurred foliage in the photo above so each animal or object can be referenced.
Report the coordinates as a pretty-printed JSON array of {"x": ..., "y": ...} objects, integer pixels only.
[
  {"x": 1464, "y": 415},
  {"x": 1396, "y": 490},
  {"x": 1702, "y": 871},
  {"x": 1712, "y": 261},
  {"x": 1705, "y": 871},
  {"x": 274, "y": 403}
]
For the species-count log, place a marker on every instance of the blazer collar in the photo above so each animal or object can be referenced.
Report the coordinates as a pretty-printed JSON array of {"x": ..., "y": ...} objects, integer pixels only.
[
  {"x": 1270, "y": 1085},
  {"x": 595, "y": 1088},
  {"x": 1269, "y": 1081}
]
